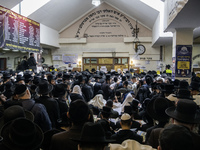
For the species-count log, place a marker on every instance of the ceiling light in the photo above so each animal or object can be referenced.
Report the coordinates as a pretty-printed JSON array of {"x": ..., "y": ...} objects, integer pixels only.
[
  {"x": 23, "y": 51},
  {"x": 96, "y": 2},
  {"x": 15, "y": 50},
  {"x": 6, "y": 49}
]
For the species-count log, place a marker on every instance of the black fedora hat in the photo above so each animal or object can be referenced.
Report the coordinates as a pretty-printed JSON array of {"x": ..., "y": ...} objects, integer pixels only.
[
  {"x": 183, "y": 84},
  {"x": 194, "y": 86},
  {"x": 59, "y": 89},
  {"x": 22, "y": 134},
  {"x": 185, "y": 111},
  {"x": 93, "y": 70},
  {"x": 44, "y": 87},
  {"x": 6, "y": 75},
  {"x": 78, "y": 111},
  {"x": 97, "y": 76},
  {"x": 14, "y": 112},
  {"x": 19, "y": 78},
  {"x": 66, "y": 76},
  {"x": 156, "y": 108},
  {"x": 108, "y": 76},
  {"x": 128, "y": 110},
  {"x": 93, "y": 133},
  {"x": 176, "y": 83},
  {"x": 19, "y": 89},
  {"x": 168, "y": 88},
  {"x": 106, "y": 110},
  {"x": 51, "y": 77},
  {"x": 134, "y": 104},
  {"x": 184, "y": 94}
]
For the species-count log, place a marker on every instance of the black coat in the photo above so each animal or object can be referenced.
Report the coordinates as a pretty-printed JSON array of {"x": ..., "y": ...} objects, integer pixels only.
[
  {"x": 123, "y": 135},
  {"x": 97, "y": 87},
  {"x": 52, "y": 109},
  {"x": 107, "y": 91},
  {"x": 87, "y": 92},
  {"x": 154, "y": 136},
  {"x": 31, "y": 62},
  {"x": 63, "y": 140},
  {"x": 107, "y": 128},
  {"x": 24, "y": 65},
  {"x": 62, "y": 105}
]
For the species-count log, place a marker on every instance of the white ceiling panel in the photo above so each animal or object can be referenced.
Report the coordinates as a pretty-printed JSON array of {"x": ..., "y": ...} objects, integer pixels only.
[
  {"x": 60, "y": 13},
  {"x": 9, "y": 3}
]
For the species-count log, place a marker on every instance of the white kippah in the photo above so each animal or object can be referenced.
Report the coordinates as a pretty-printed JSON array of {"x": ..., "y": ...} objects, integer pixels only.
[{"x": 125, "y": 116}]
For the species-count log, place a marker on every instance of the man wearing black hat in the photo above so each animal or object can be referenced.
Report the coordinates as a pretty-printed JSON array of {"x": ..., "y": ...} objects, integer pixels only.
[
  {"x": 19, "y": 79},
  {"x": 106, "y": 124},
  {"x": 156, "y": 110},
  {"x": 7, "y": 83},
  {"x": 44, "y": 89},
  {"x": 114, "y": 114},
  {"x": 41, "y": 116},
  {"x": 79, "y": 113},
  {"x": 175, "y": 137},
  {"x": 92, "y": 137},
  {"x": 66, "y": 78},
  {"x": 106, "y": 88},
  {"x": 60, "y": 94},
  {"x": 97, "y": 85},
  {"x": 59, "y": 77},
  {"x": 32, "y": 62},
  {"x": 24, "y": 64},
  {"x": 185, "y": 114},
  {"x": 21, "y": 134}
]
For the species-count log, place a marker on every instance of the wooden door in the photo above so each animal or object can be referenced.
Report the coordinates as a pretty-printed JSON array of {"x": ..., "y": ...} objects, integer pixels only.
[{"x": 2, "y": 64}]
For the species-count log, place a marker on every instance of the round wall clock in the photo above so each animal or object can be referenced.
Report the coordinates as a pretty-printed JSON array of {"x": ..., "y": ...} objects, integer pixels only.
[{"x": 140, "y": 49}]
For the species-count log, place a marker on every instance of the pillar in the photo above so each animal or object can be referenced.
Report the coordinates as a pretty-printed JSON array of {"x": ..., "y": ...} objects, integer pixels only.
[{"x": 182, "y": 42}]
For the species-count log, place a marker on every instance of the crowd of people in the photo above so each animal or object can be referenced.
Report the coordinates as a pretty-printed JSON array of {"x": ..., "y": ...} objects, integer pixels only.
[{"x": 93, "y": 110}]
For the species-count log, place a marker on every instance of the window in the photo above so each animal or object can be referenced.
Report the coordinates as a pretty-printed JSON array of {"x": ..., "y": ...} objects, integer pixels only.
[
  {"x": 86, "y": 60},
  {"x": 93, "y": 60},
  {"x": 124, "y": 60}
]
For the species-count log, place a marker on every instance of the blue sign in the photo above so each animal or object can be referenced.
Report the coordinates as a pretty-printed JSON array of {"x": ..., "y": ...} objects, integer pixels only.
[{"x": 183, "y": 61}]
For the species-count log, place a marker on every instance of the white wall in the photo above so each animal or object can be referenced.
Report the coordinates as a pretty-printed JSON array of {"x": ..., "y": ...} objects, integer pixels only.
[
  {"x": 48, "y": 36},
  {"x": 10, "y": 57},
  {"x": 196, "y": 51},
  {"x": 105, "y": 50},
  {"x": 158, "y": 28}
]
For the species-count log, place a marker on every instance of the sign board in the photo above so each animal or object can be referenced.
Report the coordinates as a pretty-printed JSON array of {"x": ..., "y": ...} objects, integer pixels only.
[
  {"x": 195, "y": 66},
  {"x": 183, "y": 61},
  {"x": 57, "y": 57},
  {"x": 147, "y": 57},
  {"x": 18, "y": 32},
  {"x": 70, "y": 58}
]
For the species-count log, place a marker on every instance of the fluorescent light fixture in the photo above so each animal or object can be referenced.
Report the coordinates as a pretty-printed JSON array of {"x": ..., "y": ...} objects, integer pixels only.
[
  {"x": 15, "y": 50},
  {"x": 23, "y": 51},
  {"x": 96, "y": 2},
  {"x": 6, "y": 49},
  {"x": 29, "y": 6},
  {"x": 155, "y": 4}
]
